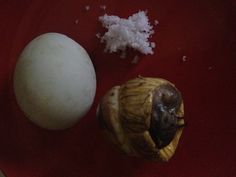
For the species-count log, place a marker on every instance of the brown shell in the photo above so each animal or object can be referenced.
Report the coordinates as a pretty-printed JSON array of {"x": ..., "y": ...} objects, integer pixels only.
[{"x": 125, "y": 114}]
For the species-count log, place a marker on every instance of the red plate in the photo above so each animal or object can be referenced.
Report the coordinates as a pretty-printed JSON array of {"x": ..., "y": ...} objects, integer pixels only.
[{"x": 200, "y": 30}]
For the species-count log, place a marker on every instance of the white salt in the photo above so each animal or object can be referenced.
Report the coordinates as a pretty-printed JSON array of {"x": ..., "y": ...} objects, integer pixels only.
[
  {"x": 103, "y": 7},
  {"x": 156, "y": 22},
  {"x": 87, "y": 7},
  {"x": 76, "y": 21},
  {"x": 135, "y": 60},
  {"x": 184, "y": 58},
  {"x": 153, "y": 44},
  {"x": 210, "y": 67},
  {"x": 122, "y": 33},
  {"x": 98, "y": 35}
]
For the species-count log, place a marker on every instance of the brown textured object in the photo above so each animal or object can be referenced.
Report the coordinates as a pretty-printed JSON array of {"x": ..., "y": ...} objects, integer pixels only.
[
  {"x": 2, "y": 174},
  {"x": 143, "y": 117}
]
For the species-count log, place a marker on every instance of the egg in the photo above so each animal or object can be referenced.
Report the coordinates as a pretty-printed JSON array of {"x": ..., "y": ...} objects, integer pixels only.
[{"x": 54, "y": 81}]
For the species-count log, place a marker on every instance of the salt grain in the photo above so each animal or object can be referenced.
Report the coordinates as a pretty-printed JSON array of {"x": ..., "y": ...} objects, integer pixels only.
[
  {"x": 98, "y": 35},
  {"x": 156, "y": 22},
  {"x": 76, "y": 21},
  {"x": 210, "y": 67},
  {"x": 135, "y": 60},
  {"x": 103, "y": 7},
  {"x": 153, "y": 44},
  {"x": 184, "y": 58},
  {"x": 133, "y": 32},
  {"x": 87, "y": 8}
]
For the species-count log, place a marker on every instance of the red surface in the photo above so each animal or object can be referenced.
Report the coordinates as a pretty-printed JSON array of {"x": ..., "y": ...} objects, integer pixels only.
[{"x": 202, "y": 30}]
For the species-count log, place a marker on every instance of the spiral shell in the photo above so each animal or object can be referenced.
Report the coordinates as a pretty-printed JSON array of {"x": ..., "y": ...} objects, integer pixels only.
[{"x": 125, "y": 115}]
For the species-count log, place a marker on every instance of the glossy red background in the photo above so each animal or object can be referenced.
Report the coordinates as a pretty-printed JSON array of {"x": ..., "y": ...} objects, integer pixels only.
[{"x": 203, "y": 30}]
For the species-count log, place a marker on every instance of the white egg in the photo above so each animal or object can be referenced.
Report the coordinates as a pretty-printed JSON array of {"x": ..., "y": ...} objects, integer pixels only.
[{"x": 54, "y": 81}]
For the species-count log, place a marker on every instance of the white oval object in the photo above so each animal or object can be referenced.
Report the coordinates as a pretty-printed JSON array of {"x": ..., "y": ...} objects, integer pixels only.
[{"x": 54, "y": 81}]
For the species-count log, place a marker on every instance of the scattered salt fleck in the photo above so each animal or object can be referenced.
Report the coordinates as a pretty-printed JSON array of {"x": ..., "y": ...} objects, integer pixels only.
[
  {"x": 76, "y": 21},
  {"x": 135, "y": 60},
  {"x": 153, "y": 44},
  {"x": 156, "y": 22},
  {"x": 184, "y": 58},
  {"x": 103, "y": 7},
  {"x": 87, "y": 7},
  {"x": 98, "y": 35}
]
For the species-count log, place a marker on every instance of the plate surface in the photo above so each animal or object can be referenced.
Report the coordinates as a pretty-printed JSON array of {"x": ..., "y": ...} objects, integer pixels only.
[{"x": 200, "y": 30}]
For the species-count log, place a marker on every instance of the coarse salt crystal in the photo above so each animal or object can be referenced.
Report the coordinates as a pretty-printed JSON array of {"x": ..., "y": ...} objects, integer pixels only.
[
  {"x": 98, "y": 35},
  {"x": 184, "y": 58},
  {"x": 103, "y": 7},
  {"x": 122, "y": 33},
  {"x": 153, "y": 44},
  {"x": 76, "y": 21},
  {"x": 156, "y": 22},
  {"x": 87, "y": 7},
  {"x": 135, "y": 60}
]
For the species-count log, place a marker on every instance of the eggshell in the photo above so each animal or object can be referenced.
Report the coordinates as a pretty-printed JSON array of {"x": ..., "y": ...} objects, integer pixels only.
[{"x": 54, "y": 81}]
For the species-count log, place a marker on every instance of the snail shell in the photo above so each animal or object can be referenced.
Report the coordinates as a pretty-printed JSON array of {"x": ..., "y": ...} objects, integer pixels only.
[{"x": 130, "y": 113}]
